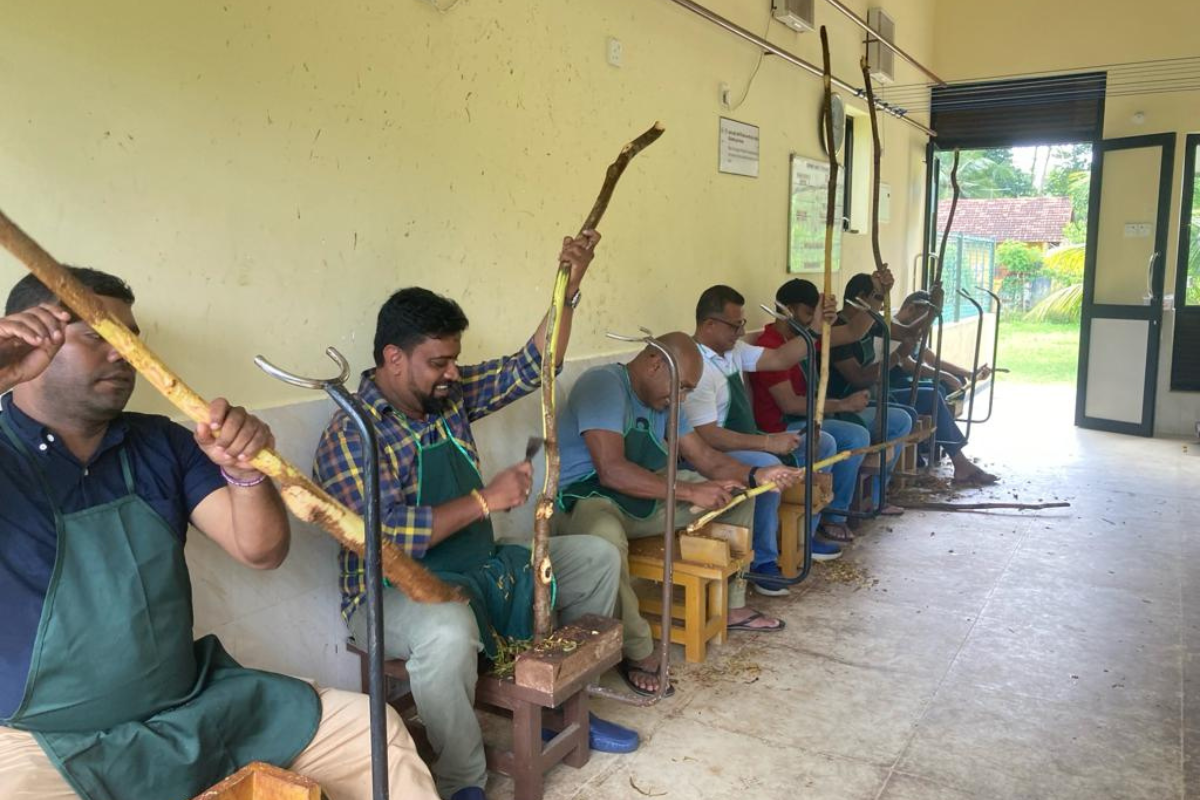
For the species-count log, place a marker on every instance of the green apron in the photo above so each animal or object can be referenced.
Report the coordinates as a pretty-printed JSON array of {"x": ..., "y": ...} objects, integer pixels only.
[
  {"x": 643, "y": 448},
  {"x": 119, "y": 697},
  {"x": 739, "y": 418},
  {"x": 497, "y": 579}
]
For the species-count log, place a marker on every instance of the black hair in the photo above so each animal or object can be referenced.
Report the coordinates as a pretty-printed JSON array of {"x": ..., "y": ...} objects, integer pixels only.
[
  {"x": 861, "y": 285},
  {"x": 798, "y": 292},
  {"x": 713, "y": 300},
  {"x": 29, "y": 291},
  {"x": 916, "y": 297},
  {"x": 412, "y": 315}
]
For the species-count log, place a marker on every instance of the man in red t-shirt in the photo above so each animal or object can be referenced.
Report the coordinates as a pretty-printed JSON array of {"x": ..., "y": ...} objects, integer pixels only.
[{"x": 780, "y": 401}]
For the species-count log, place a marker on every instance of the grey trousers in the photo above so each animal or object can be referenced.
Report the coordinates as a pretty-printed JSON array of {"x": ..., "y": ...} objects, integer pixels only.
[
  {"x": 604, "y": 519},
  {"x": 441, "y": 643}
]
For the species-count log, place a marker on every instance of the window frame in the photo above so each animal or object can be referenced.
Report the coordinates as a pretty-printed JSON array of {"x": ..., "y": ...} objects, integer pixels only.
[{"x": 1190, "y": 148}]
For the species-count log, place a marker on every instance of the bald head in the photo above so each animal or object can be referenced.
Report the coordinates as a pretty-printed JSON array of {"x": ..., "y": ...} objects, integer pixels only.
[{"x": 650, "y": 375}]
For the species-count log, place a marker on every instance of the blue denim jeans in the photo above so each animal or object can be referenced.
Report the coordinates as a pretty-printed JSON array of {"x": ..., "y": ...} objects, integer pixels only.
[
  {"x": 836, "y": 436},
  {"x": 899, "y": 423},
  {"x": 766, "y": 510}
]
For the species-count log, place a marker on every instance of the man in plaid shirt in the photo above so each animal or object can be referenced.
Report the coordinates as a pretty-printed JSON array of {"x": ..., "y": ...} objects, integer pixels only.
[{"x": 435, "y": 505}]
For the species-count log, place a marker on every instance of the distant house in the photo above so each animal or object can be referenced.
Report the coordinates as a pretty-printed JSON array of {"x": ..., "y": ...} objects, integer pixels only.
[{"x": 1037, "y": 221}]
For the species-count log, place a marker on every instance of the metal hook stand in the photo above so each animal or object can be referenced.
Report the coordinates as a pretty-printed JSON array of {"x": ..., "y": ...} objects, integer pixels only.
[
  {"x": 780, "y": 312},
  {"x": 882, "y": 403},
  {"x": 664, "y": 671},
  {"x": 964, "y": 294},
  {"x": 336, "y": 389}
]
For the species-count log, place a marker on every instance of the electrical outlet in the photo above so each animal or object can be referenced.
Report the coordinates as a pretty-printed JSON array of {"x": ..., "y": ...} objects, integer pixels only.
[
  {"x": 615, "y": 51},
  {"x": 1137, "y": 230}
]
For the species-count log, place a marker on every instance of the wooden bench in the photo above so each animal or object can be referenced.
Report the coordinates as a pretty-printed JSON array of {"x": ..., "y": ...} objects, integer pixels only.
[
  {"x": 552, "y": 694},
  {"x": 791, "y": 521},
  {"x": 701, "y": 613},
  {"x": 907, "y": 467}
]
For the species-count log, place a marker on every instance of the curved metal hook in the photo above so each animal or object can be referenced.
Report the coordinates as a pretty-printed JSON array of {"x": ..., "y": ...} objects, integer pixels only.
[
  {"x": 308, "y": 383},
  {"x": 620, "y": 337}
]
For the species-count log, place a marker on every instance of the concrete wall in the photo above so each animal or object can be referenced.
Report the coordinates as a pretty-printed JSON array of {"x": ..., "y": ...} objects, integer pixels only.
[
  {"x": 979, "y": 39},
  {"x": 264, "y": 173}
]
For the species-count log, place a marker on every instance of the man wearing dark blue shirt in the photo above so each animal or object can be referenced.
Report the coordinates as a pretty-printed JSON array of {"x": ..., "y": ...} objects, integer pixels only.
[{"x": 103, "y": 693}]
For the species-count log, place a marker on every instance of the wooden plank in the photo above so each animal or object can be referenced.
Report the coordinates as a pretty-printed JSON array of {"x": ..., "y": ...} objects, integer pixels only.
[
  {"x": 822, "y": 489},
  {"x": 699, "y": 548},
  {"x": 259, "y": 781},
  {"x": 598, "y": 642}
]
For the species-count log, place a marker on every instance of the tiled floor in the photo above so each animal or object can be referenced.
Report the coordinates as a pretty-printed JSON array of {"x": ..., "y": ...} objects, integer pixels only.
[{"x": 999, "y": 655}]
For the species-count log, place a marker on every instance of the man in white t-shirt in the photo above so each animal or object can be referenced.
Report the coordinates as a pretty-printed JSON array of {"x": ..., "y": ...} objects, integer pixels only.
[{"x": 720, "y": 411}]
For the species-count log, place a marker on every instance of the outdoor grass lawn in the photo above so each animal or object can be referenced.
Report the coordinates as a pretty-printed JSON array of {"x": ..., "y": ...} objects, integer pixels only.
[{"x": 1039, "y": 352}]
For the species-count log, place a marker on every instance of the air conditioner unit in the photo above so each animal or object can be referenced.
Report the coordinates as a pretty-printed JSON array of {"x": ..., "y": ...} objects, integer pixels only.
[
  {"x": 796, "y": 14},
  {"x": 880, "y": 59}
]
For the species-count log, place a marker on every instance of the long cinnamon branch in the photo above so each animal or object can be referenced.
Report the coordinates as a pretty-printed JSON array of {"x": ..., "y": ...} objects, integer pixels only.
[
  {"x": 830, "y": 203},
  {"x": 307, "y": 501},
  {"x": 543, "y": 569},
  {"x": 877, "y": 155}
]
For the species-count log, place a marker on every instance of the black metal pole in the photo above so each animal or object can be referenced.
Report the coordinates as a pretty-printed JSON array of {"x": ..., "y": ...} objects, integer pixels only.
[
  {"x": 377, "y": 700},
  {"x": 975, "y": 364},
  {"x": 995, "y": 356},
  {"x": 374, "y": 568}
]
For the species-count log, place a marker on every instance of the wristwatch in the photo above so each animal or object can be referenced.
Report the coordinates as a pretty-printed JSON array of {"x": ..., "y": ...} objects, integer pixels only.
[{"x": 573, "y": 301}]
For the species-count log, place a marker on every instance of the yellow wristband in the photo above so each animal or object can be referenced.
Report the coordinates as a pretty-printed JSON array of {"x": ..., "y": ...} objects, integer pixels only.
[{"x": 478, "y": 495}]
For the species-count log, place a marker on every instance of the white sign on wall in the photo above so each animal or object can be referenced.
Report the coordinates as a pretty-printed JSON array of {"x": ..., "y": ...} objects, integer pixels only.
[{"x": 738, "y": 148}]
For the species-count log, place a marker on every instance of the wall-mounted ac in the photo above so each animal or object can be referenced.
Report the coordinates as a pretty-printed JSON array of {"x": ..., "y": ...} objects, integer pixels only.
[
  {"x": 796, "y": 14},
  {"x": 881, "y": 60}
]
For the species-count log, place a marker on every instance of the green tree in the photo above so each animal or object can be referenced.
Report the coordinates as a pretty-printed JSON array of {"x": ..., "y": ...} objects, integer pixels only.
[{"x": 986, "y": 174}]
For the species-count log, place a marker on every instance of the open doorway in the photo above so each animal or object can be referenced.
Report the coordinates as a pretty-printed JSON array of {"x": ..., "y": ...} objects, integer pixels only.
[{"x": 1020, "y": 232}]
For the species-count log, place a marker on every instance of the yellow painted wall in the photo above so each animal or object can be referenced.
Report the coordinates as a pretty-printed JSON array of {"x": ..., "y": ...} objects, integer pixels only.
[
  {"x": 264, "y": 173},
  {"x": 978, "y": 39}
]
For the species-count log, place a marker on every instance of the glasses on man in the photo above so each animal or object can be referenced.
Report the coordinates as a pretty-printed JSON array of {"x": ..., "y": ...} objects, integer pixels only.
[
  {"x": 740, "y": 327},
  {"x": 877, "y": 296}
]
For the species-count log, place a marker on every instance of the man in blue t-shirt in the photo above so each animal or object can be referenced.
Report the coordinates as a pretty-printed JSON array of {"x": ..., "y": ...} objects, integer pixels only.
[
  {"x": 613, "y": 445},
  {"x": 103, "y": 693}
]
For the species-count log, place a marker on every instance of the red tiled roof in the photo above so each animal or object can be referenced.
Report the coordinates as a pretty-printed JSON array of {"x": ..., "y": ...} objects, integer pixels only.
[{"x": 1010, "y": 219}]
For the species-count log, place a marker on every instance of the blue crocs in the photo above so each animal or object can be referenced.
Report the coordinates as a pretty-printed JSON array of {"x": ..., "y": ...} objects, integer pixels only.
[
  {"x": 605, "y": 736},
  {"x": 609, "y": 737},
  {"x": 768, "y": 580},
  {"x": 469, "y": 793}
]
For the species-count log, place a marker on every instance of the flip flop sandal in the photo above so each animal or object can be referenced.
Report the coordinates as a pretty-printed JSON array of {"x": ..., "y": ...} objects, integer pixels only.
[
  {"x": 836, "y": 533},
  {"x": 745, "y": 625},
  {"x": 891, "y": 511},
  {"x": 625, "y": 670}
]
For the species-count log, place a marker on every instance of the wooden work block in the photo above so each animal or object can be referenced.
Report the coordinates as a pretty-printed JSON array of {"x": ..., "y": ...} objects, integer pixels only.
[
  {"x": 716, "y": 543},
  {"x": 822, "y": 491},
  {"x": 598, "y": 643},
  {"x": 259, "y": 781}
]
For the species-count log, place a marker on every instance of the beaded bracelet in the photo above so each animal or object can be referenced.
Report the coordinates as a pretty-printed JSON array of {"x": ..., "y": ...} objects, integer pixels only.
[{"x": 241, "y": 484}]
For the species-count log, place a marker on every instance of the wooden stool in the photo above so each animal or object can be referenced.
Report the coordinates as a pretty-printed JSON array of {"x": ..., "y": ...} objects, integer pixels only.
[
  {"x": 907, "y": 467},
  {"x": 791, "y": 521},
  {"x": 259, "y": 781},
  {"x": 554, "y": 696},
  {"x": 703, "y": 614}
]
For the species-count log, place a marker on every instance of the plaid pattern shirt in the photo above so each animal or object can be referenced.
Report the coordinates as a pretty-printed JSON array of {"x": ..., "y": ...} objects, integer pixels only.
[{"x": 483, "y": 389}]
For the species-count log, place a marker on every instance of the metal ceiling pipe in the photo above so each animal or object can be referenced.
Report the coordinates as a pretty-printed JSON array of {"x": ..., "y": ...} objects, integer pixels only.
[
  {"x": 860, "y": 22},
  {"x": 794, "y": 60}
]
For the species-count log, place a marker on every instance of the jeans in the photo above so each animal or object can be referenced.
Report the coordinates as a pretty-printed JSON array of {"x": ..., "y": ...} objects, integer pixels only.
[
  {"x": 949, "y": 437},
  {"x": 836, "y": 436},
  {"x": 766, "y": 510},
  {"x": 899, "y": 423}
]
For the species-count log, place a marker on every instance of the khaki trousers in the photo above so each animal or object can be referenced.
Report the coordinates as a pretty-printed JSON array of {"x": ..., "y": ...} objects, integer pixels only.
[{"x": 338, "y": 758}]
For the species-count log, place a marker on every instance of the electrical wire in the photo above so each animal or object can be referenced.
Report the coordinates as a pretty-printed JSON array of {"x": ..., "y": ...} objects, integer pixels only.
[{"x": 762, "y": 54}]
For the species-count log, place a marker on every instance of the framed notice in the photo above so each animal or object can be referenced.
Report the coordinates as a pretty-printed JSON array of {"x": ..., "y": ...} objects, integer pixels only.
[
  {"x": 737, "y": 148},
  {"x": 806, "y": 216}
]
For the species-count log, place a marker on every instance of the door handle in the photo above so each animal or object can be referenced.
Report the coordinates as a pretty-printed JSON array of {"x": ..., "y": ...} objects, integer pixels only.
[{"x": 1150, "y": 278}]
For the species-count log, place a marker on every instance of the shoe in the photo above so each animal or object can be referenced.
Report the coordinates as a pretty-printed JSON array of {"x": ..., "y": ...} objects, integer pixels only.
[
  {"x": 603, "y": 737},
  {"x": 768, "y": 580},
  {"x": 825, "y": 551},
  {"x": 609, "y": 737},
  {"x": 469, "y": 793}
]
